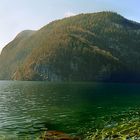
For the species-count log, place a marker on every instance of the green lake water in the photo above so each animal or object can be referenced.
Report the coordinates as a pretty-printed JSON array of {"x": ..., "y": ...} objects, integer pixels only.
[{"x": 82, "y": 109}]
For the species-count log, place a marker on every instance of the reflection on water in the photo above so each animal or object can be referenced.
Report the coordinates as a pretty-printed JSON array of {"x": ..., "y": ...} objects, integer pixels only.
[{"x": 28, "y": 108}]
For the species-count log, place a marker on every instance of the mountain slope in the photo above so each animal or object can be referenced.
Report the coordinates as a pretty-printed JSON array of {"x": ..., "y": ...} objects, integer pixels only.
[
  {"x": 13, "y": 55},
  {"x": 88, "y": 47}
]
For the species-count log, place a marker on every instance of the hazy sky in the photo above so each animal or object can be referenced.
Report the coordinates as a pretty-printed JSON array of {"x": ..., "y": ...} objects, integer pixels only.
[{"x": 18, "y": 15}]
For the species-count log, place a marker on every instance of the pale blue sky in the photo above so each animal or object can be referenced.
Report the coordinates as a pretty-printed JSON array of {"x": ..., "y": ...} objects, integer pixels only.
[{"x": 18, "y": 15}]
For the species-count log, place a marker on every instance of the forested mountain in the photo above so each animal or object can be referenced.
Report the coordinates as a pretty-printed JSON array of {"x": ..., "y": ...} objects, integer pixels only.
[{"x": 102, "y": 46}]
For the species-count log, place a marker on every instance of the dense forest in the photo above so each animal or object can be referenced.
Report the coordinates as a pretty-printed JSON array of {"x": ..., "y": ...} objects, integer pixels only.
[{"x": 102, "y": 46}]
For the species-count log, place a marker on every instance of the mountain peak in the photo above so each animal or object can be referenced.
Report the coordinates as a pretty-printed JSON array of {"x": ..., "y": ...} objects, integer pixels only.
[{"x": 25, "y": 33}]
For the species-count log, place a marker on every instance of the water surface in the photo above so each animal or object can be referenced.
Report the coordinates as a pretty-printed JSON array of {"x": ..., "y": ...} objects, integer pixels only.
[{"x": 28, "y": 108}]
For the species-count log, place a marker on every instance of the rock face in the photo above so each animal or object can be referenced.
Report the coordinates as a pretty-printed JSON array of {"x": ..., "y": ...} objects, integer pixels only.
[
  {"x": 88, "y": 47},
  {"x": 57, "y": 135}
]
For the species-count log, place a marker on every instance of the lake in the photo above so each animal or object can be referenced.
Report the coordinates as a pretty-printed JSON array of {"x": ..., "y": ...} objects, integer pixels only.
[{"x": 27, "y": 109}]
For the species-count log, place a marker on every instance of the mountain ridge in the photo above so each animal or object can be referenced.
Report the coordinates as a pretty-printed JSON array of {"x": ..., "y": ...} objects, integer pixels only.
[{"x": 100, "y": 46}]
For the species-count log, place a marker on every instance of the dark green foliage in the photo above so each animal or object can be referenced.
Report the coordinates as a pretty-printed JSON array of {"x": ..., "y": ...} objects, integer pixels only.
[{"x": 87, "y": 47}]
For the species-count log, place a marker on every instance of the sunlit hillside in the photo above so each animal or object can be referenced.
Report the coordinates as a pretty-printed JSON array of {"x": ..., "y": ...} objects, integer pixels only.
[{"x": 101, "y": 46}]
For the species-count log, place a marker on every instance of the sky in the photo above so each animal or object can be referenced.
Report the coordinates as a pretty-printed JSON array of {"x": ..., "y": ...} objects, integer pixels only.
[{"x": 19, "y": 15}]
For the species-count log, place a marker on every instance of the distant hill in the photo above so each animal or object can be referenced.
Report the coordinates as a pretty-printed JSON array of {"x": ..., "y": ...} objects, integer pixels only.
[{"x": 102, "y": 46}]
